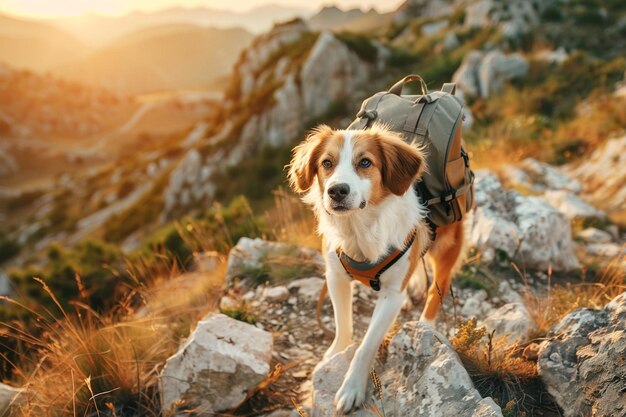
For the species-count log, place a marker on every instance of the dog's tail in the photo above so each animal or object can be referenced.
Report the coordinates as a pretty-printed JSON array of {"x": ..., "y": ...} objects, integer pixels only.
[{"x": 318, "y": 311}]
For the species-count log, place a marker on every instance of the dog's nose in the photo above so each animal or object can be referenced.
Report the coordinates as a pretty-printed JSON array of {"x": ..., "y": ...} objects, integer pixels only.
[{"x": 338, "y": 192}]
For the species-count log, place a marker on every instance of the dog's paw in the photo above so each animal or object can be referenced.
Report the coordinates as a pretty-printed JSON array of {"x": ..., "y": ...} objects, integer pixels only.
[{"x": 351, "y": 394}]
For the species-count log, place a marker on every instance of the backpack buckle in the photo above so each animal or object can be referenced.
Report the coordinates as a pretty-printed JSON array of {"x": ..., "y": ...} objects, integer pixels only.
[
  {"x": 465, "y": 158},
  {"x": 368, "y": 114}
]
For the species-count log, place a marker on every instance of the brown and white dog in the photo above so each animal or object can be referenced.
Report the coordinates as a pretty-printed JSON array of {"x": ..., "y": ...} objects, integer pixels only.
[{"x": 360, "y": 185}]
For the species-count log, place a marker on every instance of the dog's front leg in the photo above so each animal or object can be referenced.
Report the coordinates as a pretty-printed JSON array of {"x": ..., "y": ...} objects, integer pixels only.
[
  {"x": 351, "y": 394},
  {"x": 340, "y": 291}
]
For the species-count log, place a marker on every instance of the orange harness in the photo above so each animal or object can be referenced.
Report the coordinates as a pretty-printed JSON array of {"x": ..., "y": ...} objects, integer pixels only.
[{"x": 369, "y": 273}]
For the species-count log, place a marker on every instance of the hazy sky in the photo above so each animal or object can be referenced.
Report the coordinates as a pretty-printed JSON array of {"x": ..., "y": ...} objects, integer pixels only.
[{"x": 58, "y": 8}]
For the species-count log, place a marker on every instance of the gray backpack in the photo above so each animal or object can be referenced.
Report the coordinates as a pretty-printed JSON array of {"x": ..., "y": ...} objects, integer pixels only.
[{"x": 432, "y": 120}]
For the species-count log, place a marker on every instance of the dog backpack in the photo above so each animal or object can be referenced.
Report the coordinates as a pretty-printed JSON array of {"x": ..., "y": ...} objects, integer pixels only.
[{"x": 432, "y": 121}]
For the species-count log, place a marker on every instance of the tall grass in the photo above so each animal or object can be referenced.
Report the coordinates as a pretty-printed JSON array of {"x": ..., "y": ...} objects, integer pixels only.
[{"x": 87, "y": 364}]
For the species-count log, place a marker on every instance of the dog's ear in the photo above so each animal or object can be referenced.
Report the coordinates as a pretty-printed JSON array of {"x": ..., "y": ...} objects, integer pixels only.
[
  {"x": 303, "y": 165},
  {"x": 402, "y": 163}
]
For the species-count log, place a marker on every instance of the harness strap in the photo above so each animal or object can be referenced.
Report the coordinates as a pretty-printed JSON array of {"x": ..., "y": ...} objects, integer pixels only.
[{"x": 369, "y": 273}]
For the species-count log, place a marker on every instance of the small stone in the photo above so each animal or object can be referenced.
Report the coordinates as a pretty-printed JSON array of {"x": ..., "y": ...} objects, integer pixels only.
[
  {"x": 531, "y": 352},
  {"x": 228, "y": 303},
  {"x": 277, "y": 294},
  {"x": 593, "y": 235}
]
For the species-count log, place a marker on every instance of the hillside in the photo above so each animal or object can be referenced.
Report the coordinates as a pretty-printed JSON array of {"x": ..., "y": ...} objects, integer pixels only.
[
  {"x": 35, "y": 45},
  {"x": 161, "y": 58}
]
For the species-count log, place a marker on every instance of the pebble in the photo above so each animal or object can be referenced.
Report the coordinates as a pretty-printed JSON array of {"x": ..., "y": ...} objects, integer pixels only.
[{"x": 277, "y": 294}]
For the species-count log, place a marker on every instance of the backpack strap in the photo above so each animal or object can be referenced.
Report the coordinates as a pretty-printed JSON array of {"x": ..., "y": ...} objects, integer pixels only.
[
  {"x": 449, "y": 88},
  {"x": 422, "y": 125}
]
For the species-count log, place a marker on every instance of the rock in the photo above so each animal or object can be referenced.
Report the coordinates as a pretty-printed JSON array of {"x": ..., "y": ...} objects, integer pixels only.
[
  {"x": 511, "y": 321},
  {"x": 582, "y": 362},
  {"x": 434, "y": 27},
  {"x": 485, "y": 74},
  {"x": 593, "y": 235},
  {"x": 496, "y": 68},
  {"x": 277, "y": 294},
  {"x": 228, "y": 303},
  {"x": 527, "y": 229},
  {"x": 476, "y": 305},
  {"x": 221, "y": 362},
  {"x": 451, "y": 41},
  {"x": 572, "y": 206},
  {"x": 320, "y": 74},
  {"x": 246, "y": 259},
  {"x": 531, "y": 352},
  {"x": 423, "y": 376},
  {"x": 412, "y": 9},
  {"x": 607, "y": 250},
  {"x": 603, "y": 174},
  {"x": 514, "y": 17},
  {"x": 8, "y": 396},
  {"x": 548, "y": 177},
  {"x": 308, "y": 289}
]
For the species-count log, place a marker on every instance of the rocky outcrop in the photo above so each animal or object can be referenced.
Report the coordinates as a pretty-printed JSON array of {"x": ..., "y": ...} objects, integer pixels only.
[
  {"x": 485, "y": 73},
  {"x": 412, "y": 9},
  {"x": 220, "y": 364},
  {"x": 250, "y": 258},
  {"x": 582, "y": 363},
  {"x": 514, "y": 17},
  {"x": 286, "y": 78},
  {"x": 423, "y": 376},
  {"x": 524, "y": 228}
]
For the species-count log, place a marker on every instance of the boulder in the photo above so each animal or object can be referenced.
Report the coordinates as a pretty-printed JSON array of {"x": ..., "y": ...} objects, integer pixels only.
[
  {"x": 572, "y": 206},
  {"x": 593, "y": 235},
  {"x": 277, "y": 294},
  {"x": 423, "y": 376},
  {"x": 525, "y": 229},
  {"x": 222, "y": 361},
  {"x": 307, "y": 289},
  {"x": 582, "y": 363},
  {"x": 247, "y": 259},
  {"x": 547, "y": 177},
  {"x": 485, "y": 74},
  {"x": 512, "y": 321}
]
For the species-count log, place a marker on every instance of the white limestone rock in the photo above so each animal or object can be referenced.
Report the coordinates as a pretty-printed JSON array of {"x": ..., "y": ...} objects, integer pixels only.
[
  {"x": 221, "y": 362},
  {"x": 421, "y": 376},
  {"x": 526, "y": 229},
  {"x": 511, "y": 321}
]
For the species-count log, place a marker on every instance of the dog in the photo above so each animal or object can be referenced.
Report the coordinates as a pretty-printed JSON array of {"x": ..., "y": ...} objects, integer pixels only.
[{"x": 360, "y": 186}]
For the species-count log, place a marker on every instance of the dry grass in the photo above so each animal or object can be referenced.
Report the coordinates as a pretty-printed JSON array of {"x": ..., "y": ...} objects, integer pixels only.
[
  {"x": 559, "y": 300},
  {"x": 293, "y": 221},
  {"x": 85, "y": 364},
  {"x": 498, "y": 370}
]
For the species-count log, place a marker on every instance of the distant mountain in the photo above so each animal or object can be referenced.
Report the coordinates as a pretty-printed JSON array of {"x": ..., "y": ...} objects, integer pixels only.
[
  {"x": 36, "y": 45},
  {"x": 99, "y": 30},
  {"x": 353, "y": 20},
  {"x": 331, "y": 17},
  {"x": 161, "y": 58}
]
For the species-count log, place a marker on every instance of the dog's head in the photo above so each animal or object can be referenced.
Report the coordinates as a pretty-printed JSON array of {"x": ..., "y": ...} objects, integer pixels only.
[{"x": 350, "y": 169}]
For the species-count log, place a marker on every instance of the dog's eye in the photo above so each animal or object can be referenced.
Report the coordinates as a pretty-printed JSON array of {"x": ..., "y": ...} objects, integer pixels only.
[
  {"x": 326, "y": 163},
  {"x": 365, "y": 163}
]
